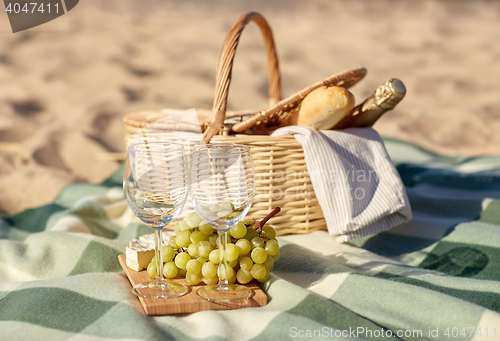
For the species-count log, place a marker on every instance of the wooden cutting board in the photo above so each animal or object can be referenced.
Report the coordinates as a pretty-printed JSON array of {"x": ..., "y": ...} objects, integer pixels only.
[{"x": 188, "y": 303}]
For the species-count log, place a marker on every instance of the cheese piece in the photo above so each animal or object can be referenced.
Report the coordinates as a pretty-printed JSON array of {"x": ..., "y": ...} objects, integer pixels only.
[
  {"x": 139, "y": 258},
  {"x": 136, "y": 243},
  {"x": 149, "y": 239},
  {"x": 141, "y": 251}
]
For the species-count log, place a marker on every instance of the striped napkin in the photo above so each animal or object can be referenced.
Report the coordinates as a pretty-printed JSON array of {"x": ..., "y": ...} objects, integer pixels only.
[{"x": 357, "y": 186}]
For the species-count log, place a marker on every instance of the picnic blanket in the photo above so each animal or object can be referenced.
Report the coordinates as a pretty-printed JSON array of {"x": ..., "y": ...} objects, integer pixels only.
[{"x": 434, "y": 278}]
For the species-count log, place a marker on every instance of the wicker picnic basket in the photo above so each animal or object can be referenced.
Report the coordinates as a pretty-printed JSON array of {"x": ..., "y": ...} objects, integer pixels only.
[{"x": 281, "y": 172}]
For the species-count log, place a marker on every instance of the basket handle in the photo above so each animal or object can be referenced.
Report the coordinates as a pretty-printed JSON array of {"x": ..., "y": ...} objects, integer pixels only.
[{"x": 225, "y": 66}]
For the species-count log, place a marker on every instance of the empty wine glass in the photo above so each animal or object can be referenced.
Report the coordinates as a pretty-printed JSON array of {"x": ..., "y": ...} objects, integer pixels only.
[
  {"x": 156, "y": 185},
  {"x": 222, "y": 190}
]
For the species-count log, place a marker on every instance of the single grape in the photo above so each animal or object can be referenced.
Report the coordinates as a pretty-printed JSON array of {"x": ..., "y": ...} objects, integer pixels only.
[
  {"x": 205, "y": 248},
  {"x": 266, "y": 277},
  {"x": 206, "y": 229},
  {"x": 244, "y": 246},
  {"x": 210, "y": 281},
  {"x": 183, "y": 238},
  {"x": 222, "y": 273},
  {"x": 246, "y": 263},
  {"x": 217, "y": 241},
  {"x": 223, "y": 214},
  {"x": 197, "y": 236},
  {"x": 227, "y": 206},
  {"x": 248, "y": 222},
  {"x": 181, "y": 260},
  {"x": 257, "y": 242},
  {"x": 233, "y": 215},
  {"x": 259, "y": 255},
  {"x": 238, "y": 231},
  {"x": 202, "y": 260},
  {"x": 193, "y": 219},
  {"x": 168, "y": 253},
  {"x": 272, "y": 247},
  {"x": 181, "y": 273},
  {"x": 269, "y": 263},
  {"x": 251, "y": 233},
  {"x": 177, "y": 228},
  {"x": 244, "y": 276},
  {"x": 215, "y": 208},
  {"x": 151, "y": 269},
  {"x": 232, "y": 252},
  {"x": 184, "y": 226},
  {"x": 268, "y": 232},
  {"x": 172, "y": 242},
  {"x": 214, "y": 256},
  {"x": 193, "y": 266},
  {"x": 258, "y": 271},
  {"x": 276, "y": 256},
  {"x": 213, "y": 239},
  {"x": 233, "y": 263},
  {"x": 209, "y": 270},
  {"x": 193, "y": 250},
  {"x": 193, "y": 279},
  {"x": 170, "y": 270}
]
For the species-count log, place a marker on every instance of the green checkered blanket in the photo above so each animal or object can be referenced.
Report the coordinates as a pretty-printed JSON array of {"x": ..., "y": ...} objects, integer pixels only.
[{"x": 435, "y": 278}]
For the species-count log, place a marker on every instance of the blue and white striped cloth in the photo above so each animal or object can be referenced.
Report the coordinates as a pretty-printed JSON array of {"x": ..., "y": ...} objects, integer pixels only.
[{"x": 357, "y": 186}]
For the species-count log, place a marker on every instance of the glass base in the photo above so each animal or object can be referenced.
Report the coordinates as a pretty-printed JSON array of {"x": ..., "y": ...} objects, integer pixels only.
[
  {"x": 162, "y": 290},
  {"x": 228, "y": 293}
]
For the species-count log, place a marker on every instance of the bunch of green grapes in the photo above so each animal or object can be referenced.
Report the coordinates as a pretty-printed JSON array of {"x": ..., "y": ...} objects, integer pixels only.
[{"x": 193, "y": 253}]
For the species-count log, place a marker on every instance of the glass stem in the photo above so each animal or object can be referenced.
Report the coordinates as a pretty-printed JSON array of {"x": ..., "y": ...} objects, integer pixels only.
[
  {"x": 223, "y": 280},
  {"x": 159, "y": 257}
]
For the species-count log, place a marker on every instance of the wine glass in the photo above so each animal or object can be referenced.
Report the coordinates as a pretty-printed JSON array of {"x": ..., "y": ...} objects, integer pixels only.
[
  {"x": 222, "y": 191},
  {"x": 156, "y": 185}
]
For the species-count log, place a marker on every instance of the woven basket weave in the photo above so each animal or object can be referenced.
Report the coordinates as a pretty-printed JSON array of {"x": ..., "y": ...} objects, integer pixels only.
[{"x": 281, "y": 173}]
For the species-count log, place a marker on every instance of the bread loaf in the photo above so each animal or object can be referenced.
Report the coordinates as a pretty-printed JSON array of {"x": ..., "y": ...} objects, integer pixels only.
[{"x": 324, "y": 107}]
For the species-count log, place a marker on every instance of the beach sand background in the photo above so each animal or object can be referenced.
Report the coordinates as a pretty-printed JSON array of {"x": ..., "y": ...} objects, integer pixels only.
[{"x": 66, "y": 85}]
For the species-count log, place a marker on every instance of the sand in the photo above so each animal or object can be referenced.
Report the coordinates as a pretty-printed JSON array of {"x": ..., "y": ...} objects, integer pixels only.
[{"x": 66, "y": 85}]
